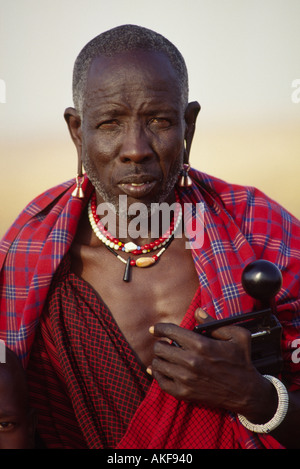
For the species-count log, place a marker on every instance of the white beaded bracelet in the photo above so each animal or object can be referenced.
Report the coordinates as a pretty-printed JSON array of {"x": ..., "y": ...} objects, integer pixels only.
[{"x": 283, "y": 403}]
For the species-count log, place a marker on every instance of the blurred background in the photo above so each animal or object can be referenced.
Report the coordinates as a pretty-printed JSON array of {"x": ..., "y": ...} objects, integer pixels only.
[{"x": 244, "y": 66}]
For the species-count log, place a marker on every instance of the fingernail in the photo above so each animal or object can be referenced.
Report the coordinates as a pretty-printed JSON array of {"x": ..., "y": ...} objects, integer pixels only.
[
  {"x": 201, "y": 313},
  {"x": 151, "y": 329}
]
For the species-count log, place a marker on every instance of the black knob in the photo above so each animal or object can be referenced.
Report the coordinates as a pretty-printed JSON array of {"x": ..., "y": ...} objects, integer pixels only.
[{"x": 262, "y": 280}]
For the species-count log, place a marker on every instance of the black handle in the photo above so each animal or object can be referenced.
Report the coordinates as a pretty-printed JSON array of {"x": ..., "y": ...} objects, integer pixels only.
[{"x": 262, "y": 280}]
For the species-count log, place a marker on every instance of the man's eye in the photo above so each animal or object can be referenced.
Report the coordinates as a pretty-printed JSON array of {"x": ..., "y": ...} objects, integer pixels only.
[
  {"x": 160, "y": 122},
  {"x": 108, "y": 125},
  {"x": 6, "y": 426}
]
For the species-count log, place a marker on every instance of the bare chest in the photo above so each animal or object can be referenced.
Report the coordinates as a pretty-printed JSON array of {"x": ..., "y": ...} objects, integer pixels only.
[{"x": 160, "y": 293}]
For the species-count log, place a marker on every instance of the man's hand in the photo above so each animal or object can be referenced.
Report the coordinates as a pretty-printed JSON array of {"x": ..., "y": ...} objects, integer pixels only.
[{"x": 216, "y": 371}]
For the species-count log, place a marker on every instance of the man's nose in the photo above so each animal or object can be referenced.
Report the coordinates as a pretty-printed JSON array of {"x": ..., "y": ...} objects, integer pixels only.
[{"x": 136, "y": 145}]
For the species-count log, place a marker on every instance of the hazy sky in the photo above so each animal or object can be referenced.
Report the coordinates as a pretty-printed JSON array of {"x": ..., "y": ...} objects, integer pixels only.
[{"x": 242, "y": 55}]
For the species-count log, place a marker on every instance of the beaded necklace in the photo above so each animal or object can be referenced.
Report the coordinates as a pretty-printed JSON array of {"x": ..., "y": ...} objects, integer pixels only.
[{"x": 114, "y": 245}]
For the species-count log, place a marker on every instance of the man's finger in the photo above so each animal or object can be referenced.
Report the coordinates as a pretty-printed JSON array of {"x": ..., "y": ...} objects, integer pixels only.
[
  {"x": 202, "y": 317},
  {"x": 218, "y": 331},
  {"x": 168, "y": 330},
  {"x": 178, "y": 335},
  {"x": 204, "y": 320}
]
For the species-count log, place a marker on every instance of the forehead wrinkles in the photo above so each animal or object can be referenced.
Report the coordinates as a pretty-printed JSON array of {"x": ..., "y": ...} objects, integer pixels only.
[
  {"x": 138, "y": 99},
  {"x": 144, "y": 75}
]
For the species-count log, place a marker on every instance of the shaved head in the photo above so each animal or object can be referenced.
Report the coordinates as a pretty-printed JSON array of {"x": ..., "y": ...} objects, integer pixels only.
[{"x": 122, "y": 39}]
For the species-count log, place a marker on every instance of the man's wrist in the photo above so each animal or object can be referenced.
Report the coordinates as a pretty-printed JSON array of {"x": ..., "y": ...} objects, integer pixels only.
[
  {"x": 280, "y": 414},
  {"x": 262, "y": 403}
]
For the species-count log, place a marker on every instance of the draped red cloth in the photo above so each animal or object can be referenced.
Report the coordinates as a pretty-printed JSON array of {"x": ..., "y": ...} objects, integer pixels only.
[
  {"x": 241, "y": 225},
  {"x": 85, "y": 381},
  {"x": 90, "y": 391}
]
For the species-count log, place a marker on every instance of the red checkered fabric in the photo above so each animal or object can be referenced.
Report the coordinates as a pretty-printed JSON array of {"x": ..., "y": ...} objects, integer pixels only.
[
  {"x": 79, "y": 348},
  {"x": 241, "y": 225}
]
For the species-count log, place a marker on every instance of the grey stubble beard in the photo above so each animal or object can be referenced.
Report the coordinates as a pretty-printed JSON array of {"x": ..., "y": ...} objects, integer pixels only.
[{"x": 110, "y": 198}]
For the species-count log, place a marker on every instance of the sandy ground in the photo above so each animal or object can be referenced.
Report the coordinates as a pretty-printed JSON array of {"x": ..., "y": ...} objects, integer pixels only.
[{"x": 265, "y": 157}]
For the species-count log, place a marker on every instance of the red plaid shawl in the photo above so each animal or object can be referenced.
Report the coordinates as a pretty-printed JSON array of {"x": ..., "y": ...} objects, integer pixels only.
[{"x": 241, "y": 224}]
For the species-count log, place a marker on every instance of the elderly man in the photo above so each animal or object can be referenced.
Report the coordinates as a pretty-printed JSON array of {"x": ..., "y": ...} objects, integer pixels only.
[{"x": 94, "y": 314}]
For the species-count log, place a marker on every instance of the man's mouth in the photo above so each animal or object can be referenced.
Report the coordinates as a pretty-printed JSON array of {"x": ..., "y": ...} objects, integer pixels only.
[
  {"x": 137, "y": 190},
  {"x": 139, "y": 184}
]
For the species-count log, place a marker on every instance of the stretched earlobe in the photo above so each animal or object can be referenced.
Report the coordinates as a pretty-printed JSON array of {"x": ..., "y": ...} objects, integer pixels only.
[
  {"x": 73, "y": 121},
  {"x": 74, "y": 125},
  {"x": 191, "y": 114}
]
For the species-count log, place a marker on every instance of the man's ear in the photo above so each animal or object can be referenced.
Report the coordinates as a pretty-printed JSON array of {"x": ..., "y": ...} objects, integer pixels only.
[
  {"x": 190, "y": 117},
  {"x": 73, "y": 121}
]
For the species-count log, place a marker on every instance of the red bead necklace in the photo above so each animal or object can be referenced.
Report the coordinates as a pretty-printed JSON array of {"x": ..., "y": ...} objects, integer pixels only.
[{"x": 114, "y": 245}]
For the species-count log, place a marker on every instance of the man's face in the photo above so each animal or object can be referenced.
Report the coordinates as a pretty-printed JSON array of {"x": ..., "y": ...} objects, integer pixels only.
[{"x": 133, "y": 127}]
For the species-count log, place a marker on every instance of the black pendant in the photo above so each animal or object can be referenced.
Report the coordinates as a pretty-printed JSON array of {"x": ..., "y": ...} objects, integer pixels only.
[{"x": 126, "y": 277}]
